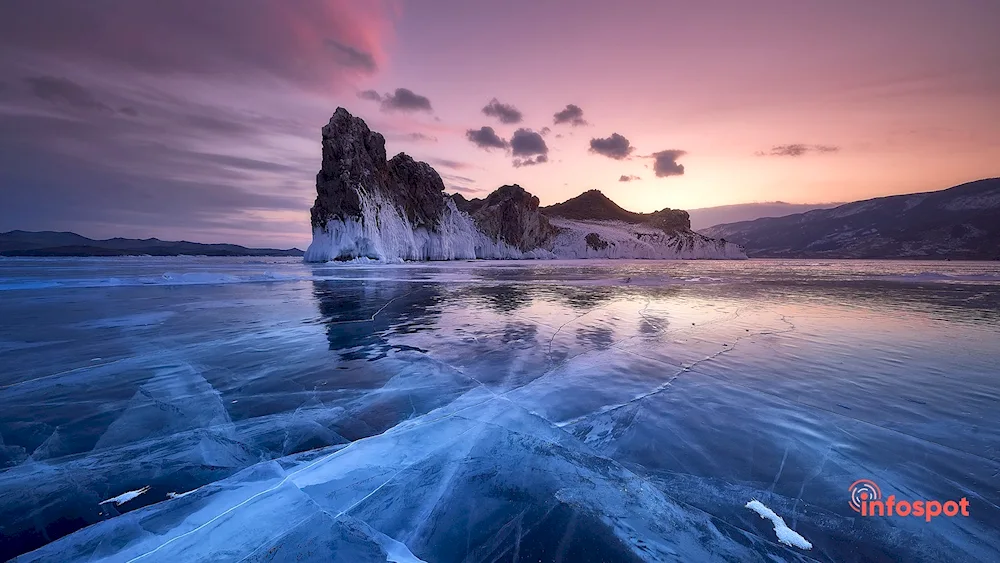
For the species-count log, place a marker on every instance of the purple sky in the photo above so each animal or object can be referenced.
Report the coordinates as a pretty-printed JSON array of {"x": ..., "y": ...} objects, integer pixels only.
[{"x": 200, "y": 120}]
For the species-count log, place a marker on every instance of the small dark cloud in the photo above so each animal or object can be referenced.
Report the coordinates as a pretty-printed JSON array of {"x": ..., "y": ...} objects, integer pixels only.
[
  {"x": 506, "y": 113},
  {"x": 528, "y": 148},
  {"x": 572, "y": 114},
  {"x": 628, "y": 178},
  {"x": 453, "y": 164},
  {"x": 665, "y": 163},
  {"x": 486, "y": 138},
  {"x": 371, "y": 95},
  {"x": 559, "y": 135},
  {"x": 64, "y": 91},
  {"x": 519, "y": 162},
  {"x": 545, "y": 131},
  {"x": 526, "y": 142},
  {"x": 796, "y": 149},
  {"x": 615, "y": 146},
  {"x": 351, "y": 57},
  {"x": 404, "y": 99}
]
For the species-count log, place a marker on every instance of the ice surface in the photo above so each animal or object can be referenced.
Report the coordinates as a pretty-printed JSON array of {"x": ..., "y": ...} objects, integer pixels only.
[
  {"x": 785, "y": 534},
  {"x": 500, "y": 411},
  {"x": 941, "y": 277}
]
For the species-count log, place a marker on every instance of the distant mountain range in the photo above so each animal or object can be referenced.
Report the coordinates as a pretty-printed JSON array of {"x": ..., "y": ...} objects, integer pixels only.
[
  {"x": 962, "y": 222},
  {"x": 52, "y": 243},
  {"x": 710, "y": 216}
]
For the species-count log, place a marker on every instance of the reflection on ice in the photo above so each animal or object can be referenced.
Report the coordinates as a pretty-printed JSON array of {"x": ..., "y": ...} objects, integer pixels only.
[{"x": 541, "y": 412}]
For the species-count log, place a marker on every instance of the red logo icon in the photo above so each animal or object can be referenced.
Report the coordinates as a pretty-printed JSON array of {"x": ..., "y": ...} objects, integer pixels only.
[{"x": 862, "y": 491}]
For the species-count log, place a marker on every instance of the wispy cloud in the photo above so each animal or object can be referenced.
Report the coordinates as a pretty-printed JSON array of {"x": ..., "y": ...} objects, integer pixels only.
[{"x": 797, "y": 149}]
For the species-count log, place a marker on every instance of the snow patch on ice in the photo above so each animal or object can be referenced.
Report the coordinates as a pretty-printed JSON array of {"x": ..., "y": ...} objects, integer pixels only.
[
  {"x": 785, "y": 534},
  {"x": 396, "y": 552},
  {"x": 126, "y": 496}
]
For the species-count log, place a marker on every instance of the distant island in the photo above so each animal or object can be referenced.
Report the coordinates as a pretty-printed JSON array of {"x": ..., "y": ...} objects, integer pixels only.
[{"x": 52, "y": 243}]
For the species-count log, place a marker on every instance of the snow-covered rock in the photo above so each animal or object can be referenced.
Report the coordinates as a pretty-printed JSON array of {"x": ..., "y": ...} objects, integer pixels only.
[{"x": 613, "y": 239}]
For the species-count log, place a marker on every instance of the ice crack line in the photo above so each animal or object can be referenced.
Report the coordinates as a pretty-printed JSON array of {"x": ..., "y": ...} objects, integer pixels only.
[
  {"x": 669, "y": 382},
  {"x": 558, "y": 330},
  {"x": 376, "y": 313},
  {"x": 288, "y": 477}
]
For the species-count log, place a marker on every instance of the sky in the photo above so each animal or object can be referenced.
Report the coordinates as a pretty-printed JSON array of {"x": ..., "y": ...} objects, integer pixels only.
[{"x": 201, "y": 120}]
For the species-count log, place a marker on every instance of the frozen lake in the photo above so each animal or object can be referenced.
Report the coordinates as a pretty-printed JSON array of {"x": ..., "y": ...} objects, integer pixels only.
[{"x": 567, "y": 411}]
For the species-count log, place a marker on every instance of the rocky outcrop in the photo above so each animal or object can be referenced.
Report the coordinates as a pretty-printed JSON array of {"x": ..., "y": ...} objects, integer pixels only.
[
  {"x": 418, "y": 189},
  {"x": 593, "y": 205},
  {"x": 590, "y": 225},
  {"x": 354, "y": 164},
  {"x": 595, "y": 242},
  {"x": 370, "y": 207},
  {"x": 509, "y": 214}
]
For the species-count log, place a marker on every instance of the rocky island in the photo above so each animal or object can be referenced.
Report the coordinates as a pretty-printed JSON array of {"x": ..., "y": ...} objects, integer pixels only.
[{"x": 369, "y": 206}]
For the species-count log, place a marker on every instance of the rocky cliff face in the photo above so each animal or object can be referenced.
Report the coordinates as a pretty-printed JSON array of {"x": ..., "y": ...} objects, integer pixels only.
[
  {"x": 354, "y": 164},
  {"x": 370, "y": 207},
  {"x": 509, "y": 214}
]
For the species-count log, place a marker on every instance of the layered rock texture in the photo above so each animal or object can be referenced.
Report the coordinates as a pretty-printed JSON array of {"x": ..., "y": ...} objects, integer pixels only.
[{"x": 370, "y": 207}]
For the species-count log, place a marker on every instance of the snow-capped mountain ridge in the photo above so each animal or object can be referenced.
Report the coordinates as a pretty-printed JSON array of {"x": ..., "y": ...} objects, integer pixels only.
[{"x": 961, "y": 222}]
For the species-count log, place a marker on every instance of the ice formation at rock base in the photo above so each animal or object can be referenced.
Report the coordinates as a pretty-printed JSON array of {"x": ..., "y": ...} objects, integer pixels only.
[{"x": 384, "y": 233}]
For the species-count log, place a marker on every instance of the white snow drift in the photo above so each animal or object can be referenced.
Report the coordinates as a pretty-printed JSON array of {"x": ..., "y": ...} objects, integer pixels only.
[{"x": 785, "y": 534}]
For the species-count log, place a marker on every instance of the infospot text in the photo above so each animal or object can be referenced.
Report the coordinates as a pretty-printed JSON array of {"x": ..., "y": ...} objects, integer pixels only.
[{"x": 866, "y": 498}]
